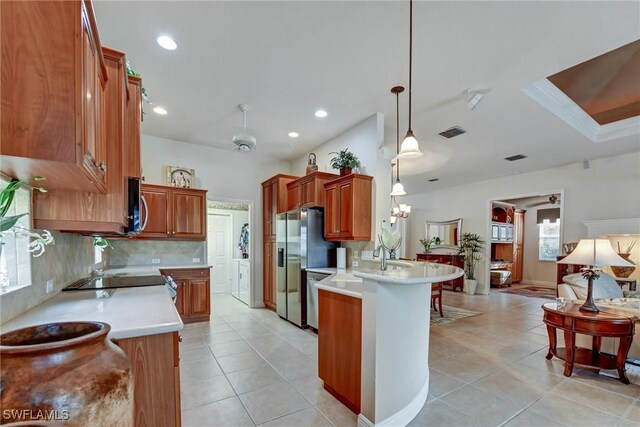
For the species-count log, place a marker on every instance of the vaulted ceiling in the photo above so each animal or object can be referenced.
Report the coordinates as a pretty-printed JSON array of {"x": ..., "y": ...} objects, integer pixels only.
[{"x": 287, "y": 59}]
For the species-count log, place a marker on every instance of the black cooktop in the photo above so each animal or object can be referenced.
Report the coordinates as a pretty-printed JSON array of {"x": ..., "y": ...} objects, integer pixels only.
[{"x": 114, "y": 282}]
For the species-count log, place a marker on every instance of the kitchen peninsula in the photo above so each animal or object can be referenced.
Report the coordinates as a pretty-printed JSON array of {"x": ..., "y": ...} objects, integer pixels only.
[{"x": 375, "y": 358}]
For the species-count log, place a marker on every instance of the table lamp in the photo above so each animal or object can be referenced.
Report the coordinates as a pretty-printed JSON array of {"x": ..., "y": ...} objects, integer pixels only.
[{"x": 593, "y": 253}]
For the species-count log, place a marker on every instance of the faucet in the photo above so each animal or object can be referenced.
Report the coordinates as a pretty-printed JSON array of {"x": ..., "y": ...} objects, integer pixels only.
[{"x": 376, "y": 253}]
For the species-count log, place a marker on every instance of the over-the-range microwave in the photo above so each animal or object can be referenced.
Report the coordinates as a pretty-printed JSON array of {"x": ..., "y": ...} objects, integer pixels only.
[{"x": 134, "y": 200}]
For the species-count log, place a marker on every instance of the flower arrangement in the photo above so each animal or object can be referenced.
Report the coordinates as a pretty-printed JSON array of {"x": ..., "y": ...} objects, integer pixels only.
[
  {"x": 10, "y": 224},
  {"x": 426, "y": 243},
  {"x": 471, "y": 247}
]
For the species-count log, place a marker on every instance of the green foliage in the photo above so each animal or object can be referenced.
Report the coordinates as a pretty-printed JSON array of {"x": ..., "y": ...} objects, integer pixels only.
[
  {"x": 344, "y": 159},
  {"x": 132, "y": 72},
  {"x": 6, "y": 199},
  {"x": 471, "y": 248},
  {"x": 427, "y": 243},
  {"x": 101, "y": 243}
]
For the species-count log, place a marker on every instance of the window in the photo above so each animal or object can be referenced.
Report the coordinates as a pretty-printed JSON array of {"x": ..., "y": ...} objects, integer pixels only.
[
  {"x": 15, "y": 258},
  {"x": 549, "y": 240}
]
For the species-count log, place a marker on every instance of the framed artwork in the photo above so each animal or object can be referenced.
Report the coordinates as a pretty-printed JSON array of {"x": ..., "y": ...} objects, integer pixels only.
[{"x": 180, "y": 177}]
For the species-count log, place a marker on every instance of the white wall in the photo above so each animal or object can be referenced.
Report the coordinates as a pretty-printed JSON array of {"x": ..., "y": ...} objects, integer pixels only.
[
  {"x": 365, "y": 140},
  {"x": 610, "y": 189},
  {"x": 228, "y": 175}
]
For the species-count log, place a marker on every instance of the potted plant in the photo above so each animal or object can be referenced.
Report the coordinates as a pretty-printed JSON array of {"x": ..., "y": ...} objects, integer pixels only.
[
  {"x": 471, "y": 248},
  {"x": 9, "y": 223},
  {"x": 345, "y": 161}
]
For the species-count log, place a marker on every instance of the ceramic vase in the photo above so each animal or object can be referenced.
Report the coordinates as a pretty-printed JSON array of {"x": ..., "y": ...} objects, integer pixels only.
[
  {"x": 66, "y": 372},
  {"x": 623, "y": 272},
  {"x": 345, "y": 171}
]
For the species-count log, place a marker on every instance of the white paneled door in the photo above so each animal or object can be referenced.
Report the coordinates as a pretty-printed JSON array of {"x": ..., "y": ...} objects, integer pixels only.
[{"x": 219, "y": 251}]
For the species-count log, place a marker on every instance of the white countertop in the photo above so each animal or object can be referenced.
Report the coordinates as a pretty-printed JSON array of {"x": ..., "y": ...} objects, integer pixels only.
[
  {"x": 149, "y": 269},
  {"x": 408, "y": 272},
  {"x": 349, "y": 281},
  {"x": 131, "y": 312},
  {"x": 322, "y": 270},
  {"x": 349, "y": 285}
]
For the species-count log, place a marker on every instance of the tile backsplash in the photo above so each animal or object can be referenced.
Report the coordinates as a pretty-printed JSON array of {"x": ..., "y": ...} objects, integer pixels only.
[
  {"x": 65, "y": 262},
  {"x": 141, "y": 252}
]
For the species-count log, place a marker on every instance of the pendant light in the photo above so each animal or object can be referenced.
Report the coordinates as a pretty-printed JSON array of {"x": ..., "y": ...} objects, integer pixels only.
[
  {"x": 398, "y": 188},
  {"x": 410, "y": 148}
]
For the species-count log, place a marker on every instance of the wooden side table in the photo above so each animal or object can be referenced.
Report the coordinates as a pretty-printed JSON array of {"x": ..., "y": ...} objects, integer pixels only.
[{"x": 603, "y": 324}]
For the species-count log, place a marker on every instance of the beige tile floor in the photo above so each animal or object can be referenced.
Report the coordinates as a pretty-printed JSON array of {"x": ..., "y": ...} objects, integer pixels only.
[{"x": 248, "y": 367}]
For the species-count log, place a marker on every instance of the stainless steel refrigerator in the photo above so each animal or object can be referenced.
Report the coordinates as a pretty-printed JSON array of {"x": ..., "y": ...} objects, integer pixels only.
[{"x": 300, "y": 244}]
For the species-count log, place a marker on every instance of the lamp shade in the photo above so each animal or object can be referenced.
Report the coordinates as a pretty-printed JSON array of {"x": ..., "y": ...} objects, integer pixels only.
[
  {"x": 410, "y": 149},
  {"x": 398, "y": 189},
  {"x": 596, "y": 253}
]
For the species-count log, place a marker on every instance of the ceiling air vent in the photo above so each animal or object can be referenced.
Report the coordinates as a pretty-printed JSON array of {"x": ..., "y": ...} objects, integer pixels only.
[
  {"x": 516, "y": 157},
  {"x": 434, "y": 179},
  {"x": 453, "y": 131}
]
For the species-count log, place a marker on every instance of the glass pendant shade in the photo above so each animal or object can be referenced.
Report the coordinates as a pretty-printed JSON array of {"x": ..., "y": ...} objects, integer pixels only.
[
  {"x": 398, "y": 189},
  {"x": 409, "y": 148}
]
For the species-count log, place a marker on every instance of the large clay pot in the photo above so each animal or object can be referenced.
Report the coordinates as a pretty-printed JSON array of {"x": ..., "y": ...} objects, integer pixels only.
[
  {"x": 623, "y": 271},
  {"x": 68, "y": 372}
]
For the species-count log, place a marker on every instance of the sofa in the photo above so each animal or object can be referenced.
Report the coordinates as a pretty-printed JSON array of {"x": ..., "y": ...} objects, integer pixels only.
[{"x": 607, "y": 294}]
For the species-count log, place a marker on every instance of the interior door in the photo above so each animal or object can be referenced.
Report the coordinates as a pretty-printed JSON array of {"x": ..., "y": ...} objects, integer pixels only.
[{"x": 219, "y": 252}]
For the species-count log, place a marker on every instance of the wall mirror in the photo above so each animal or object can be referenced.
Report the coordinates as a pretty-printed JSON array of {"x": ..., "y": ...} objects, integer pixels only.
[{"x": 447, "y": 231}]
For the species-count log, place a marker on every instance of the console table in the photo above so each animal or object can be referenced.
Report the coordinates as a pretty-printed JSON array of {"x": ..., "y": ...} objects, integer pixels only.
[
  {"x": 597, "y": 325},
  {"x": 446, "y": 259}
]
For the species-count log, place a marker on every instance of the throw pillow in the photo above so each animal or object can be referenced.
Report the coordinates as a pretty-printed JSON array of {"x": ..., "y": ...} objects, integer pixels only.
[{"x": 603, "y": 288}]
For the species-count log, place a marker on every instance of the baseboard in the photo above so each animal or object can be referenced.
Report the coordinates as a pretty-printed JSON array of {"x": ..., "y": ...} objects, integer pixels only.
[{"x": 404, "y": 416}]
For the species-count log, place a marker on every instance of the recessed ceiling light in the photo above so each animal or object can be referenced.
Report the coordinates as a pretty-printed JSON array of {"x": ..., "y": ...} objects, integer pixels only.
[
  {"x": 293, "y": 134},
  {"x": 321, "y": 113},
  {"x": 160, "y": 110},
  {"x": 167, "y": 42}
]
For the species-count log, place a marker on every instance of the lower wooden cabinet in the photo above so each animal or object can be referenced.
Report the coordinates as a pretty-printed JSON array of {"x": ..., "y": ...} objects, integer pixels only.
[
  {"x": 155, "y": 362},
  {"x": 194, "y": 293},
  {"x": 340, "y": 346}
]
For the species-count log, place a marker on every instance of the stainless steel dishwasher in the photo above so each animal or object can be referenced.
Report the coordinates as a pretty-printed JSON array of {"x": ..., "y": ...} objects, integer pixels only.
[{"x": 312, "y": 297}]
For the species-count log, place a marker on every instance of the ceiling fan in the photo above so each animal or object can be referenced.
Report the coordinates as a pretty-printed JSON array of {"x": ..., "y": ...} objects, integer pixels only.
[
  {"x": 244, "y": 140},
  {"x": 553, "y": 199}
]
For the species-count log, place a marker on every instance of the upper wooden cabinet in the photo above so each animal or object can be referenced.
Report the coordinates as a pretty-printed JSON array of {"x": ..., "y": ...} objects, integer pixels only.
[
  {"x": 132, "y": 158},
  {"x": 274, "y": 201},
  {"x": 308, "y": 191},
  {"x": 347, "y": 214},
  {"x": 173, "y": 213},
  {"x": 53, "y": 77},
  {"x": 87, "y": 212}
]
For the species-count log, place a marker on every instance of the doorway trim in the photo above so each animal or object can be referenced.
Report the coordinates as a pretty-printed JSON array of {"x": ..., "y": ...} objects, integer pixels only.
[
  {"x": 252, "y": 243},
  {"x": 487, "y": 252}
]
